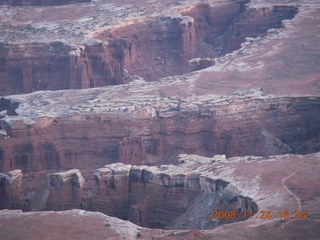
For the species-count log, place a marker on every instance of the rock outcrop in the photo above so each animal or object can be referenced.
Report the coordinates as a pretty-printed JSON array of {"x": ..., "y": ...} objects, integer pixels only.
[
  {"x": 88, "y": 130},
  {"x": 99, "y": 227},
  {"x": 165, "y": 196},
  {"x": 65, "y": 190},
  {"x": 10, "y": 189},
  {"x": 152, "y": 48},
  {"x": 37, "y": 66},
  {"x": 183, "y": 196},
  {"x": 156, "y": 197},
  {"x": 222, "y": 29},
  {"x": 155, "y": 115},
  {"x": 67, "y": 225}
]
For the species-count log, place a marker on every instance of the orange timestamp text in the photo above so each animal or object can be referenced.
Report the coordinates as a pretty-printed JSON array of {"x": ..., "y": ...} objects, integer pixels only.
[{"x": 262, "y": 214}]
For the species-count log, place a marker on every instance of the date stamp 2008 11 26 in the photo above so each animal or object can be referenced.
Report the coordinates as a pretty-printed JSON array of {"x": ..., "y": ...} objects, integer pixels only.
[{"x": 259, "y": 215}]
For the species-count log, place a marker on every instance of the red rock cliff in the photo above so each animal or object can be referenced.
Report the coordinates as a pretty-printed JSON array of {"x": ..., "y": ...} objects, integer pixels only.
[{"x": 148, "y": 135}]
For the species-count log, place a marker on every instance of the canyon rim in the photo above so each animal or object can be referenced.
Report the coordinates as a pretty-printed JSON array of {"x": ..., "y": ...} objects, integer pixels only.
[{"x": 159, "y": 119}]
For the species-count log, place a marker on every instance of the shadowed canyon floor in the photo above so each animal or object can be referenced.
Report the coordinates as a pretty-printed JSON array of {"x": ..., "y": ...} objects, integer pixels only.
[{"x": 213, "y": 106}]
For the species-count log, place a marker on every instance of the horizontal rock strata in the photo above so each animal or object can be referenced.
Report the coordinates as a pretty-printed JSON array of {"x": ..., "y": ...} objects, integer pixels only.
[
  {"x": 183, "y": 196},
  {"x": 165, "y": 197},
  {"x": 151, "y": 48},
  {"x": 65, "y": 190},
  {"x": 10, "y": 189},
  {"x": 92, "y": 130},
  {"x": 157, "y": 197}
]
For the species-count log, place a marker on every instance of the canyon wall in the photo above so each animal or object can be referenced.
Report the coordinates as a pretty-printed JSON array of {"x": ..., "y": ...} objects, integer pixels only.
[
  {"x": 154, "y": 197},
  {"x": 255, "y": 23},
  {"x": 241, "y": 127},
  {"x": 221, "y": 30},
  {"x": 29, "y": 67},
  {"x": 151, "y": 48},
  {"x": 183, "y": 196},
  {"x": 159, "y": 197},
  {"x": 37, "y": 66},
  {"x": 10, "y": 189},
  {"x": 65, "y": 190}
]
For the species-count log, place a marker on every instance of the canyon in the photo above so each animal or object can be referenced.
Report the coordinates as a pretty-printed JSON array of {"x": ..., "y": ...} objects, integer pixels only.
[
  {"x": 112, "y": 55},
  {"x": 96, "y": 131},
  {"x": 264, "y": 179},
  {"x": 154, "y": 197},
  {"x": 139, "y": 120}
]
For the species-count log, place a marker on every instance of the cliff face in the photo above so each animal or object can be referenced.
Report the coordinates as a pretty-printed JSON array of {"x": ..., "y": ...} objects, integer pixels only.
[
  {"x": 37, "y": 66},
  {"x": 255, "y": 23},
  {"x": 65, "y": 190},
  {"x": 221, "y": 30},
  {"x": 51, "y": 66},
  {"x": 137, "y": 126},
  {"x": 151, "y": 48},
  {"x": 33, "y": 67},
  {"x": 184, "y": 196},
  {"x": 154, "y": 197},
  {"x": 96, "y": 65},
  {"x": 159, "y": 197},
  {"x": 144, "y": 135},
  {"x": 10, "y": 189}
]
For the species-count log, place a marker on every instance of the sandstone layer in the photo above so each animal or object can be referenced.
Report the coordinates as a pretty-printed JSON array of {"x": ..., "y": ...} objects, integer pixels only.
[
  {"x": 90, "y": 128},
  {"x": 65, "y": 190},
  {"x": 10, "y": 189},
  {"x": 60, "y": 54},
  {"x": 278, "y": 183},
  {"x": 250, "y": 87},
  {"x": 165, "y": 196},
  {"x": 151, "y": 123},
  {"x": 154, "y": 197}
]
